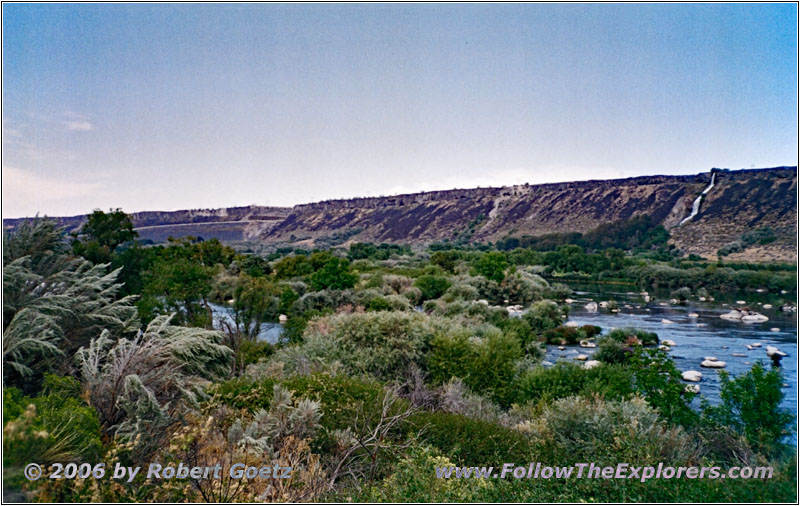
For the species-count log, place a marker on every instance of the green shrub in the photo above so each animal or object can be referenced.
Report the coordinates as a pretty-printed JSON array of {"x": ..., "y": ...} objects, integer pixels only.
[
  {"x": 378, "y": 304},
  {"x": 612, "y": 351},
  {"x": 544, "y": 315},
  {"x": 521, "y": 287},
  {"x": 562, "y": 335},
  {"x": 251, "y": 352},
  {"x": 461, "y": 291},
  {"x": 657, "y": 379},
  {"x": 445, "y": 259},
  {"x": 566, "y": 379},
  {"x": 415, "y": 481},
  {"x": 491, "y": 265},
  {"x": 243, "y": 393},
  {"x": 335, "y": 274},
  {"x": 751, "y": 406},
  {"x": 484, "y": 363},
  {"x": 345, "y": 401},
  {"x": 55, "y": 426},
  {"x": 591, "y": 330},
  {"x": 431, "y": 286},
  {"x": 580, "y": 429},
  {"x": 630, "y": 335},
  {"x": 467, "y": 441},
  {"x": 382, "y": 344}
]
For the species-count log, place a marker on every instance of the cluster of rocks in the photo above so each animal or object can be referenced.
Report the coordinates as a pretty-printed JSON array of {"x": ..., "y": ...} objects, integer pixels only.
[{"x": 744, "y": 315}]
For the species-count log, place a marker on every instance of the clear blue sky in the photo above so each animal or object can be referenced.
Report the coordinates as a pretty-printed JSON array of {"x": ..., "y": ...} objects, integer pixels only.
[{"x": 162, "y": 106}]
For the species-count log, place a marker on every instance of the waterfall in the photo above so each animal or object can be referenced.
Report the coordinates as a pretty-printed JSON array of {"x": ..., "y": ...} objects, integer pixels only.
[{"x": 696, "y": 204}]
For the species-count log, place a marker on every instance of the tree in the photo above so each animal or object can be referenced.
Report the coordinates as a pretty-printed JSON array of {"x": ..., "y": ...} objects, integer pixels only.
[
  {"x": 445, "y": 259},
  {"x": 102, "y": 233},
  {"x": 255, "y": 301},
  {"x": 492, "y": 265},
  {"x": 292, "y": 267},
  {"x": 335, "y": 274},
  {"x": 432, "y": 287},
  {"x": 751, "y": 405},
  {"x": 180, "y": 285}
]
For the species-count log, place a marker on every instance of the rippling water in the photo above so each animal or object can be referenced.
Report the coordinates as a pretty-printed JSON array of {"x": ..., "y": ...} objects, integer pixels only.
[{"x": 696, "y": 338}]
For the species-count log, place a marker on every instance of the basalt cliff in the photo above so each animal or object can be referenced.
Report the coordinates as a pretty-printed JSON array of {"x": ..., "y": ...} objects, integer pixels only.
[{"x": 739, "y": 201}]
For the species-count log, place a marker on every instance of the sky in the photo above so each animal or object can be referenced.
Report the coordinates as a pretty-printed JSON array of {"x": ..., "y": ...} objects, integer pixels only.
[{"x": 168, "y": 106}]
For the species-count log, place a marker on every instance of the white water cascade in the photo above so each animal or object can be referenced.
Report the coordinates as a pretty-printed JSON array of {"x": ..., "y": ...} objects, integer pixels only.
[{"x": 696, "y": 204}]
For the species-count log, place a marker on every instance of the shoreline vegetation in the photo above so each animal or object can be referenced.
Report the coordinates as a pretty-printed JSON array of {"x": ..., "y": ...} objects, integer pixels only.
[{"x": 394, "y": 360}]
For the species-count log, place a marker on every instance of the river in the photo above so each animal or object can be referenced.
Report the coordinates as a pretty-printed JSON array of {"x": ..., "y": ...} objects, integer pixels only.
[{"x": 696, "y": 338}]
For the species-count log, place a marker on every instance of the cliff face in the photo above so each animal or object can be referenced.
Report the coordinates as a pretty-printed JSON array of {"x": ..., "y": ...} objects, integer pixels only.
[
  {"x": 228, "y": 224},
  {"x": 740, "y": 201}
]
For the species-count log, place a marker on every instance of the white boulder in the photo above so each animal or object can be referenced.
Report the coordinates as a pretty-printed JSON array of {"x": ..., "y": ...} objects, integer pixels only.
[
  {"x": 581, "y": 357},
  {"x": 692, "y": 376},
  {"x": 773, "y": 351},
  {"x": 591, "y": 307},
  {"x": 732, "y": 315},
  {"x": 713, "y": 364},
  {"x": 589, "y": 364},
  {"x": 754, "y": 317}
]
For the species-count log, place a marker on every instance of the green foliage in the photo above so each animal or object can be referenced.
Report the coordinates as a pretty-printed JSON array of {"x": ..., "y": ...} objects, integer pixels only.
[
  {"x": 544, "y": 384},
  {"x": 250, "y": 352},
  {"x": 177, "y": 285},
  {"x": 761, "y": 236},
  {"x": 491, "y": 265},
  {"x": 53, "y": 304},
  {"x": 414, "y": 481},
  {"x": 657, "y": 379},
  {"x": 521, "y": 287},
  {"x": 255, "y": 301},
  {"x": 636, "y": 233},
  {"x": 102, "y": 234},
  {"x": 446, "y": 260},
  {"x": 544, "y": 315},
  {"x": 484, "y": 363},
  {"x": 467, "y": 441},
  {"x": 253, "y": 265},
  {"x": 141, "y": 386},
  {"x": 596, "y": 430},
  {"x": 612, "y": 351},
  {"x": 378, "y": 304},
  {"x": 55, "y": 426},
  {"x": 562, "y": 335},
  {"x": 633, "y": 336},
  {"x": 361, "y": 250},
  {"x": 751, "y": 406},
  {"x": 432, "y": 287},
  {"x": 292, "y": 267},
  {"x": 334, "y": 274},
  {"x": 382, "y": 344}
]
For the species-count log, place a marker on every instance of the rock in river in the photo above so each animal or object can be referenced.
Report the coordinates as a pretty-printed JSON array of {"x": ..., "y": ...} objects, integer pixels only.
[{"x": 692, "y": 376}]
